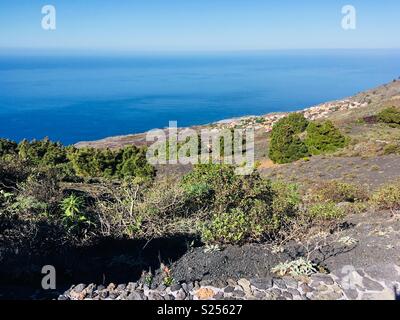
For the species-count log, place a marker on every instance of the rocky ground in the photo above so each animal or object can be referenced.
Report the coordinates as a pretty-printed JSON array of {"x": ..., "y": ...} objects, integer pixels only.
[
  {"x": 360, "y": 262},
  {"x": 369, "y": 172}
]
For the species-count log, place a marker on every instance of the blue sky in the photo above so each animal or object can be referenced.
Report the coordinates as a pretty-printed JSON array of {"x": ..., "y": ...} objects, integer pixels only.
[{"x": 199, "y": 25}]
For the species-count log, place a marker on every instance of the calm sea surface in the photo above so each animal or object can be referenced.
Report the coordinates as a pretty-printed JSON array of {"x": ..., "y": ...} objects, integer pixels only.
[{"x": 74, "y": 98}]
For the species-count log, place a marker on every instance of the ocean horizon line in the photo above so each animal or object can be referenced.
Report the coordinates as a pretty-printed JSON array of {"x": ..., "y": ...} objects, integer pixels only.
[{"x": 26, "y": 51}]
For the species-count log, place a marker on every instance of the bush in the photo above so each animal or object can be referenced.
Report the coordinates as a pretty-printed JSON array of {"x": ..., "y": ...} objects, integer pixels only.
[
  {"x": 226, "y": 228},
  {"x": 145, "y": 209},
  {"x": 44, "y": 186},
  {"x": 90, "y": 162},
  {"x": 338, "y": 191},
  {"x": 324, "y": 137},
  {"x": 203, "y": 187},
  {"x": 296, "y": 121},
  {"x": 256, "y": 209},
  {"x": 13, "y": 172},
  {"x": 43, "y": 152},
  {"x": 7, "y": 147},
  {"x": 393, "y": 148},
  {"x": 128, "y": 162},
  {"x": 387, "y": 197},
  {"x": 30, "y": 218},
  {"x": 240, "y": 211},
  {"x": 285, "y": 203},
  {"x": 286, "y": 146},
  {"x": 325, "y": 211},
  {"x": 390, "y": 116},
  {"x": 132, "y": 162}
]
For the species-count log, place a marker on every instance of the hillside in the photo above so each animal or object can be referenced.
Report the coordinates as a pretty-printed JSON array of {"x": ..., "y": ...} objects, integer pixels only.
[
  {"x": 367, "y": 139},
  {"x": 323, "y": 227},
  {"x": 342, "y": 111}
]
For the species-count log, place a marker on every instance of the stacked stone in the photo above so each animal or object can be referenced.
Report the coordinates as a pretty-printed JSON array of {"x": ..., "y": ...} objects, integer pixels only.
[{"x": 355, "y": 284}]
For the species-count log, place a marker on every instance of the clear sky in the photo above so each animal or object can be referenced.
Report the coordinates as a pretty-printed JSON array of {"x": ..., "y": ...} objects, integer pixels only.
[{"x": 199, "y": 25}]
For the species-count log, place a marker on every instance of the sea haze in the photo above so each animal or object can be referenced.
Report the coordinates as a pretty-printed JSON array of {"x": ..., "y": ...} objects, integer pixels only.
[{"x": 75, "y": 97}]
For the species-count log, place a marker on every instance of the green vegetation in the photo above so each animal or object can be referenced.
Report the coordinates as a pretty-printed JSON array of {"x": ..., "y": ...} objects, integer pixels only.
[
  {"x": 7, "y": 147},
  {"x": 40, "y": 209},
  {"x": 389, "y": 116},
  {"x": 35, "y": 204},
  {"x": 392, "y": 148},
  {"x": 286, "y": 145},
  {"x": 295, "y": 268},
  {"x": 338, "y": 191},
  {"x": 296, "y": 121},
  {"x": 72, "y": 210},
  {"x": 226, "y": 228},
  {"x": 122, "y": 163},
  {"x": 241, "y": 210},
  {"x": 129, "y": 162},
  {"x": 326, "y": 211},
  {"x": 43, "y": 152},
  {"x": 324, "y": 137},
  {"x": 207, "y": 147},
  {"x": 294, "y": 138},
  {"x": 387, "y": 197}
]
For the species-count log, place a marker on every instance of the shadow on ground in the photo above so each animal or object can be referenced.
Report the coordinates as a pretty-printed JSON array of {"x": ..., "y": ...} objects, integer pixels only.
[{"x": 109, "y": 261}]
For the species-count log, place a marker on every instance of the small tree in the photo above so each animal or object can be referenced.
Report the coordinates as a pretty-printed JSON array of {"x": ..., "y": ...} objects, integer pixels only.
[
  {"x": 323, "y": 137},
  {"x": 286, "y": 145}
]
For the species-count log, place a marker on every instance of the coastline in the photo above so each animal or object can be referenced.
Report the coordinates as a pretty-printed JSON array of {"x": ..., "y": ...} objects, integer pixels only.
[{"x": 262, "y": 122}]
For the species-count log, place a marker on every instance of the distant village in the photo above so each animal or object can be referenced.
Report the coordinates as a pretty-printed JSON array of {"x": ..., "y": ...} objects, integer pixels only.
[{"x": 267, "y": 121}]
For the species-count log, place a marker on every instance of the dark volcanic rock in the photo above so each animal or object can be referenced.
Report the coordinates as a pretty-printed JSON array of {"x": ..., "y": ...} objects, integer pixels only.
[
  {"x": 233, "y": 262},
  {"x": 261, "y": 283}
]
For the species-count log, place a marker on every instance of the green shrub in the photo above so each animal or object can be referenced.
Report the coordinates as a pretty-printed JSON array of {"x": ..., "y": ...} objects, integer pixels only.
[
  {"x": 124, "y": 163},
  {"x": 12, "y": 172},
  {"x": 387, "y": 197},
  {"x": 74, "y": 219},
  {"x": 324, "y": 137},
  {"x": 28, "y": 204},
  {"x": 296, "y": 121},
  {"x": 90, "y": 162},
  {"x": 286, "y": 145},
  {"x": 218, "y": 188},
  {"x": 72, "y": 206},
  {"x": 204, "y": 182},
  {"x": 286, "y": 199},
  {"x": 390, "y": 116},
  {"x": 128, "y": 162},
  {"x": 226, "y": 228},
  {"x": 7, "y": 147},
  {"x": 325, "y": 211},
  {"x": 132, "y": 162},
  {"x": 256, "y": 209},
  {"x": 392, "y": 148},
  {"x": 42, "y": 152}
]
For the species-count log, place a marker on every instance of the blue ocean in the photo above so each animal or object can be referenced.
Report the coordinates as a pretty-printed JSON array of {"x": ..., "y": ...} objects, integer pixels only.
[{"x": 73, "y": 97}]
